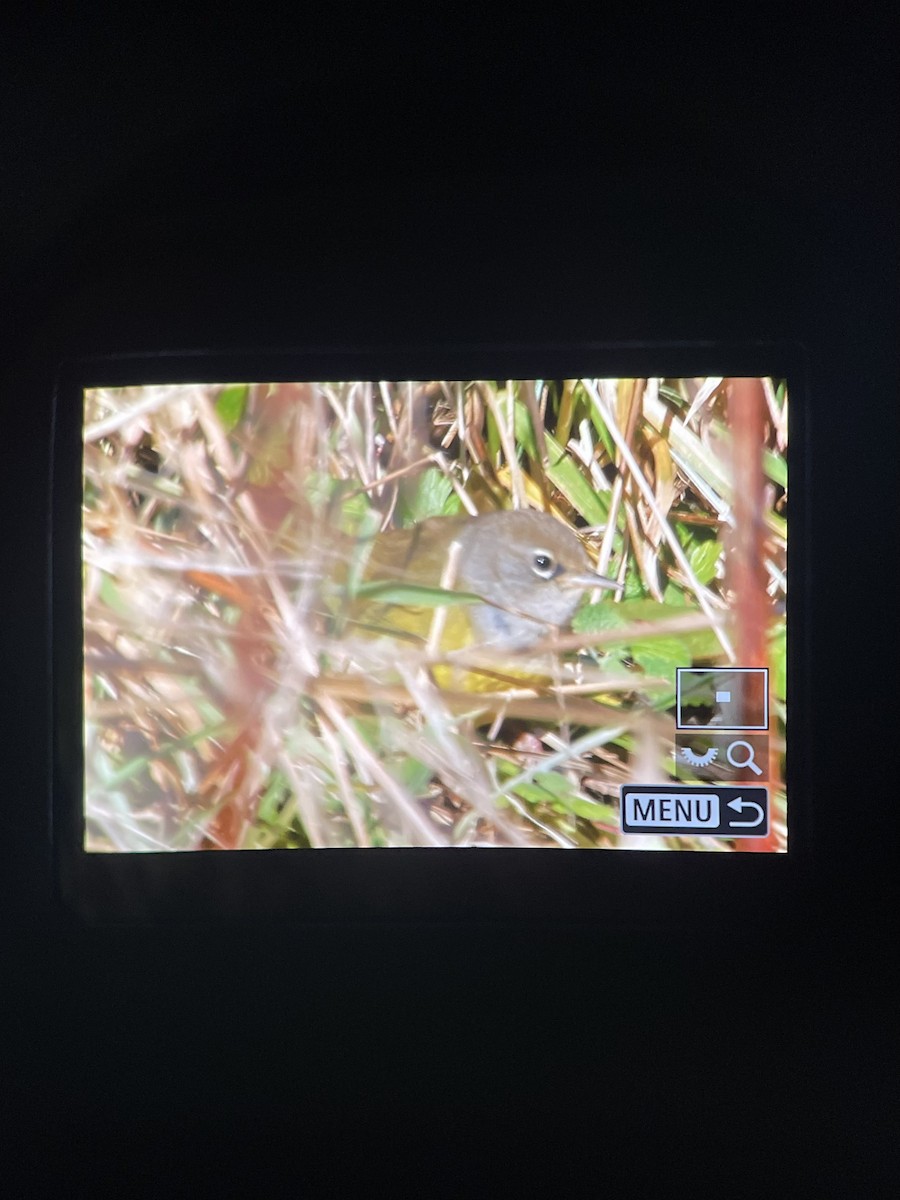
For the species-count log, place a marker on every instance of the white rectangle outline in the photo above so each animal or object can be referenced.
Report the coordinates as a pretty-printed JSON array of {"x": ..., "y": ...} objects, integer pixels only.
[{"x": 720, "y": 728}]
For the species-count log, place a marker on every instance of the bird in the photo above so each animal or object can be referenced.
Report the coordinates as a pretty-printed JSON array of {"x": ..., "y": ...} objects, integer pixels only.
[{"x": 520, "y": 575}]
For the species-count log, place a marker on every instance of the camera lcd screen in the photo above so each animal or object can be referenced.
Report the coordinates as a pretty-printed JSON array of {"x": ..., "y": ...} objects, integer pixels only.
[{"x": 493, "y": 613}]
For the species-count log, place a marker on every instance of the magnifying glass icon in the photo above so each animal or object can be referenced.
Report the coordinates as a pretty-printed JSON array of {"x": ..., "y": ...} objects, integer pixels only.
[{"x": 741, "y": 763}]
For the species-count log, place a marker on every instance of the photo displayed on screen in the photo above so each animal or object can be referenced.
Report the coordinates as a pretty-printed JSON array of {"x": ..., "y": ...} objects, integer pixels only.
[{"x": 438, "y": 613}]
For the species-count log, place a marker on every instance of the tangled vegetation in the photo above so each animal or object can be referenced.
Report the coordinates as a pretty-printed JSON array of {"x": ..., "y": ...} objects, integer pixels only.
[{"x": 229, "y": 705}]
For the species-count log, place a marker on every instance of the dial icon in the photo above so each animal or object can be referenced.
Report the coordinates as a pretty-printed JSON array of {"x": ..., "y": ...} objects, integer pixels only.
[{"x": 699, "y": 760}]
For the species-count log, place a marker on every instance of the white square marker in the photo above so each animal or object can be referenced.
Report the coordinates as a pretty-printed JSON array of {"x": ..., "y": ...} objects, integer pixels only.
[{"x": 723, "y": 697}]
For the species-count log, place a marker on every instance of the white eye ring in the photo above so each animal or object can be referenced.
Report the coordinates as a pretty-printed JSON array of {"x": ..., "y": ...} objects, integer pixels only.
[{"x": 543, "y": 564}]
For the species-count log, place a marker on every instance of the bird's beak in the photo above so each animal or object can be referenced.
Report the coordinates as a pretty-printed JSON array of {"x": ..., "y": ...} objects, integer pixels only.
[{"x": 589, "y": 580}]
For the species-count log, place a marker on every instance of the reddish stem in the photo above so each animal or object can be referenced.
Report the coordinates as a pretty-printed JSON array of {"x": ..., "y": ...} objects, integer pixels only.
[{"x": 746, "y": 571}]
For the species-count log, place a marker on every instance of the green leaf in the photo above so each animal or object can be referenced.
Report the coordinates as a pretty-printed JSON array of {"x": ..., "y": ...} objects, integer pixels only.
[
  {"x": 559, "y": 794},
  {"x": 433, "y": 496},
  {"x": 775, "y": 467},
  {"x": 369, "y": 729},
  {"x": 415, "y": 776},
  {"x": 593, "y": 617},
  {"x": 685, "y": 533},
  {"x": 109, "y": 594},
  {"x": 231, "y": 403},
  {"x": 778, "y": 651},
  {"x": 661, "y": 656},
  {"x": 657, "y": 652},
  {"x": 565, "y": 412},
  {"x": 524, "y": 430},
  {"x": 602, "y": 431},
  {"x": 272, "y": 798},
  {"x": 493, "y": 435},
  {"x": 675, "y": 596},
  {"x": 615, "y": 660},
  {"x": 592, "y": 810},
  {"x": 557, "y": 785},
  {"x": 562, "y": 471},
  {"x": 319, "y": 488},
  {"x": 701, "y": 643},
  {"x": 634, "y": 585},
  {"x": 368, "y": 527},
  {"x": 547, "y": 787},
  {"x": 532, "y": 793},
  {"x": 354, "y": 517},
  {"x": 703, "y": 557}
]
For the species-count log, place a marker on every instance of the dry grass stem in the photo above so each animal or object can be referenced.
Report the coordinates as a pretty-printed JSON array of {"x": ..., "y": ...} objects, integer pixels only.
[
  {"x": 238, "y": 692},
  {"x": 674, "y": 545}
]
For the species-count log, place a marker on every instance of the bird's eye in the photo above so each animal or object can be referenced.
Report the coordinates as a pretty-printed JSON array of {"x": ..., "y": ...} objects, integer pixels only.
[{"x": 542, "y": 564}]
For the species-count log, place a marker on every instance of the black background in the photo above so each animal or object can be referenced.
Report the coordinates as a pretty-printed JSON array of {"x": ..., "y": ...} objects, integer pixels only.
[{"x": 185, "y": 184}]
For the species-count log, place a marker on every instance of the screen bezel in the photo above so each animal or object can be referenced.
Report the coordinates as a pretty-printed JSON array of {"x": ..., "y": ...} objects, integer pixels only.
[{"x": 620, "y": 890}]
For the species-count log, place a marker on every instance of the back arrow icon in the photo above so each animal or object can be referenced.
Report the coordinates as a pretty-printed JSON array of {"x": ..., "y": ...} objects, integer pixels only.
[{"x": 738, "y": 804}]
